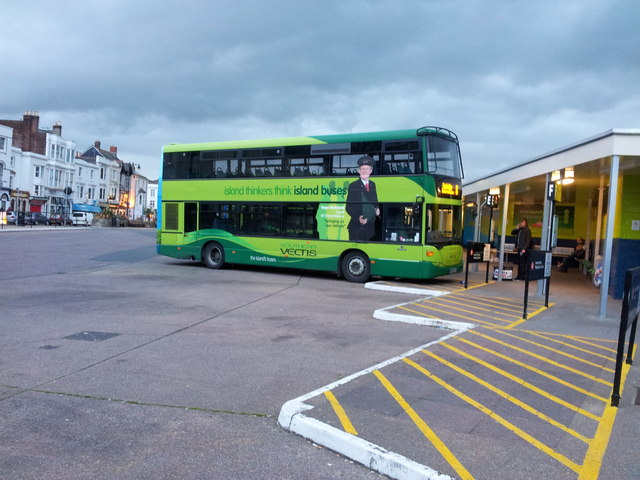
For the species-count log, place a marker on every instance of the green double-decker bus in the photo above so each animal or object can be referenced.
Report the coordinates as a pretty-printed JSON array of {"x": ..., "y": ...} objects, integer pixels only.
[{"x": 359, "y": 204}]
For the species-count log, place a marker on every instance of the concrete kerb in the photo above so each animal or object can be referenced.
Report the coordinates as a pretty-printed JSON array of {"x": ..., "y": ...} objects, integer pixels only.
[{"x": 373, "y": 456}]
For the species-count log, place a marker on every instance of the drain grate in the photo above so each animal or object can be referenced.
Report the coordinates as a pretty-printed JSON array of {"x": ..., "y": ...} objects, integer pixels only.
[{"x": 92, "y": 336}]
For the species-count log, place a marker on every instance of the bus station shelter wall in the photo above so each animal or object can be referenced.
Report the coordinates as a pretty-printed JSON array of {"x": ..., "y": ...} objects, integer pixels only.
[{"x": 583, "y": 207}]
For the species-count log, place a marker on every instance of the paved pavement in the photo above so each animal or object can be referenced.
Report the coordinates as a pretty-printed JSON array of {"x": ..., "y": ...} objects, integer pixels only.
[{"x": 495, "y": 396}]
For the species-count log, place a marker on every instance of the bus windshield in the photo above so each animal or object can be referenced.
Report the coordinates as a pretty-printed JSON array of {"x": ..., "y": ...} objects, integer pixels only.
[{"x": 443, "y": 157}]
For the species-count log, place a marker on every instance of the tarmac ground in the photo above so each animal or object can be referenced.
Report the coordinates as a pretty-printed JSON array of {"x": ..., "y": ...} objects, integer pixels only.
[{"x": 117, "y": 363}]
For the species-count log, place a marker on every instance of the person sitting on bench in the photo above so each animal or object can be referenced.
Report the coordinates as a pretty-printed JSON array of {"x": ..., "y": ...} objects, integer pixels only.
[{"x": 577, "y": 255}]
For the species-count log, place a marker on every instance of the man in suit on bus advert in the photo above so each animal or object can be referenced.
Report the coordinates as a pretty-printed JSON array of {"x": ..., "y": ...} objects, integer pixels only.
[{"x": 362, "y": 203}]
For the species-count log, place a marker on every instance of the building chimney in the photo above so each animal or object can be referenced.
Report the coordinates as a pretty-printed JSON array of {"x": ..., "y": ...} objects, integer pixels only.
[
  {"x": 113, "y": 150},
  {"x": 97, "y": 144},
  {"x": 57, "y": 129},
  {"x": 32, "y": 120}
]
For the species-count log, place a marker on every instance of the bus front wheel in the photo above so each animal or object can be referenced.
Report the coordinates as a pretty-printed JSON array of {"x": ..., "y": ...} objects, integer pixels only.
[
  {"x": 356, "y": 267},
  {"x": 213, "y": 255}
]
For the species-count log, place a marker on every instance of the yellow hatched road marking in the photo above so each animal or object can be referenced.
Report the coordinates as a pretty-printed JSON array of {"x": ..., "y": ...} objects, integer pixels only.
[
  {"x": 584, "y": 350},
  {"x": 555, "y": 350},
  {"x": 340, "y": 413},
  {"x": 522, "y": 382},
  {"x": 502, "y": 421},
  {"x": 424, "y": 428},
  {"x": 437, "y": 302},
  {"x": 535, "y": 370},
  {"x": 544, "y": 359},
  {"x": 456, "y": 300},
  {"x": 525, "y": 406},
  {"x": 578, "y": 337},
  {"x": 423, "y": 314},
  {"x": 586, "y": 342},
  {"x": 489, "y": 303}
]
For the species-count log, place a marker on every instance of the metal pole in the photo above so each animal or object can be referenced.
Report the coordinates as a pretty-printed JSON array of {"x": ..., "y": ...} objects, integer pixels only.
[
  {"x": 545, "y": 241},
  {"x": 476, "y": 233},
  {"x": 608, "y": 241},
  {"x": 598, "y": 236},
  {"x": 505, "y": 211}
]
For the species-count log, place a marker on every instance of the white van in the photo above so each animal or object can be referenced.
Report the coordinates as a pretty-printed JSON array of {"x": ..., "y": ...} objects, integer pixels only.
[{"x": 80, "y": 219}]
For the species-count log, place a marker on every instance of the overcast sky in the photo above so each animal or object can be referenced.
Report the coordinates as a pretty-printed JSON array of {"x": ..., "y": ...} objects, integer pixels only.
[{"x": 513, "y": 79}]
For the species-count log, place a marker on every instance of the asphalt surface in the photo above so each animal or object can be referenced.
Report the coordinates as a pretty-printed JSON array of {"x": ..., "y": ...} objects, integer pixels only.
[{"x": 118, "y": 363}]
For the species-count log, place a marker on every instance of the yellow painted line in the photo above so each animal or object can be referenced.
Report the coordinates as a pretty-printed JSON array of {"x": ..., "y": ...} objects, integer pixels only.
[
  {"x": 424, "y": 428},
  {"x": 448, "y": 314},
  {"x": 340, "y": 413},
  {"x": 584, "y": 350},
  {"x": 535, "y": 370},
  {"x": 502, "y": 421},
  {"x": 462, "y": 289},
  {"x": 558, "y": 352},
  {"x": 523, "y": 382},
  {"x": 530, "y": 315},
  {"x": 525, "y": 406},
  {"x": 437, "y": 303},
  {"x": 595, "y": 453},
  {"x": 541, "y": 309},
  {"x": 544, "y": 359},
  {"x": 515, "y": 324}
]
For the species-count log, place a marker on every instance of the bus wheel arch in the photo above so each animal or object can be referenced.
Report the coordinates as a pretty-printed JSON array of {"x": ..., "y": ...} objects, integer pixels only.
[
  {"x": 213, "y": 255},
  {"x": 355, "y": 266}
]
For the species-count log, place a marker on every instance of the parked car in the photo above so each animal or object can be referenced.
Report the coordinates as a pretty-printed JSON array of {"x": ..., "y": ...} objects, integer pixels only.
[
  {"x": 35, "y": 218},
  {"x": 14, "y": 218},
  {"x": 60, "y": 220}
]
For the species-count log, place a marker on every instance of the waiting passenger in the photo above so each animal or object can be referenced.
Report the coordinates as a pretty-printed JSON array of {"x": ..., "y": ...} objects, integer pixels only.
[{"x": 578, "y": 254}]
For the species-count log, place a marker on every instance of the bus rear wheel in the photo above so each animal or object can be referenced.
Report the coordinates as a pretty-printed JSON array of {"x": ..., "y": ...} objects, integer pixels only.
[
  {"x": 356, "y": 267},
  {"x": 213, "y": 255}
]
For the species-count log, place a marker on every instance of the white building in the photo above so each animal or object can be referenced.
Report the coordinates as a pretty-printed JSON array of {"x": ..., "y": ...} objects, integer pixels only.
[
  {"x": 152, "y": 196},
  {"x": 41, "y": 165},
  {"x": 7, "y": 167}
]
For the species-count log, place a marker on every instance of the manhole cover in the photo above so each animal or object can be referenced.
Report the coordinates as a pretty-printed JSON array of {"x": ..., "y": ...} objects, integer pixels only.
[{"x": 92, "y": 336}]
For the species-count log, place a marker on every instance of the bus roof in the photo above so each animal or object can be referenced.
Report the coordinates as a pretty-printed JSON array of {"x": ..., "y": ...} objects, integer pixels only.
[{"x": 314, "y": 140}]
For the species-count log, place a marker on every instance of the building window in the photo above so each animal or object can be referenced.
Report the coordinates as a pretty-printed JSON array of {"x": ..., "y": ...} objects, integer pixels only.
[
  {"x": 37, "y": 190},
  {"x": 102, "y": 173},
  {"x": 79, "y": 172},
  {"x": 38, "y": 172},
  {"x": 103, "y": 192},
  {"x": 3, "y": 144}
]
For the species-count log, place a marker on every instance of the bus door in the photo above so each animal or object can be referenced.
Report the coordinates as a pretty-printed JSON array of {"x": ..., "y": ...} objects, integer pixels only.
[{"x": 179, "y": 222}]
